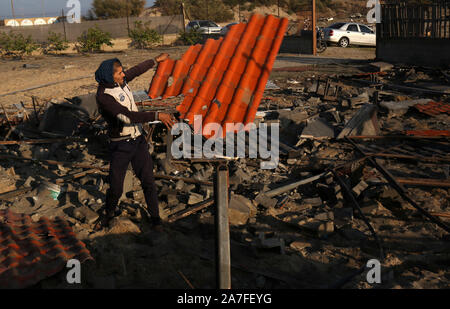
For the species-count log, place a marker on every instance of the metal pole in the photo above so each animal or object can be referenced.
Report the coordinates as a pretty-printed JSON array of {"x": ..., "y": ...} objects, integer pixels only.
[
  {"x": 223, "y": 260},
  {"x": 184, "y": 16},
  {"x": 12, "y": 9},
  {"x": 314, "y": 38},
  {"x": 64, "y": 24},
  {"x": 128, "y": 17},
  {"x": 239, "y": 11}
]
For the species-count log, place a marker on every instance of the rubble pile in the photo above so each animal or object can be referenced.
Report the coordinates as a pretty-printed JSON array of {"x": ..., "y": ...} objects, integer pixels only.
[{"x": 363, "y": 173}]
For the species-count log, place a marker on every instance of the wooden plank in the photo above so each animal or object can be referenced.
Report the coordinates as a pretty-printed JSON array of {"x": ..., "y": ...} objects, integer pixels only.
[{"x": 425, "y": 182}]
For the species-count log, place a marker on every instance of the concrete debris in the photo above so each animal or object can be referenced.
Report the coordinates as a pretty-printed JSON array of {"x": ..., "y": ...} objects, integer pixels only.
[
  {"x": 265, "y": 201},
  {"x": 360, "y": 187},
  {"x": 398, "y": 109},
  {"x": 382, "y": 66},
  {"x": 322, "y": 228},
  {"x": 195, "y": 198},
  {"x": 240, "y": 209},
  {"x": 300, "y": 204},
  {"x": 318, "y": 128},
  {"x": 315, "y": 201},
  {"x": 365, "y": 122},
  {"x": 300, "y": 245},
  {"x": 360, "y": 99},
  {"x": 85, "y": 214}
]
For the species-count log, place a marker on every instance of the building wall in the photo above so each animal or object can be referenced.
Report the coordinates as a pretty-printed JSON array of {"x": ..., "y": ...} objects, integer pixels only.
[
  {"x": 116, "y": 27},
  {"x": 420, "y": 51}
]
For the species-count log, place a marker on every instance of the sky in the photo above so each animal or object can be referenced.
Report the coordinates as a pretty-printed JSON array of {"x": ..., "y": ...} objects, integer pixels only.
[{"x": 41, "y": 8}]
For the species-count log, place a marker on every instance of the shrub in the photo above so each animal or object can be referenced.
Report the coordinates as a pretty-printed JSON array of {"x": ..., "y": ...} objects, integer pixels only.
[
  {"x": 143, "y": 37},
  {"x": 17, "y": 45},
  {"x": 55, "y": 42},
  {"x": 191, "y": 37},
  {"x": 92, "y": 40}
]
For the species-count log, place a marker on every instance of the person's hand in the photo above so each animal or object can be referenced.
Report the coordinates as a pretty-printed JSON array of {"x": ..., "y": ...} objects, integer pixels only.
[
  {"x": 167, "y": 119},
  {"x": 162, "y": 57}
]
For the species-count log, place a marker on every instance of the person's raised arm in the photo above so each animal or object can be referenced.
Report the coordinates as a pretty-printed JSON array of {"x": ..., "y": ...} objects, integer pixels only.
[{"x": 143, "y": 67}]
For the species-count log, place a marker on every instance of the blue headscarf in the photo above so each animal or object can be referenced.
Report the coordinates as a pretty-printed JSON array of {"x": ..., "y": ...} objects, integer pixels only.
[{"x": 104, "y": 73}]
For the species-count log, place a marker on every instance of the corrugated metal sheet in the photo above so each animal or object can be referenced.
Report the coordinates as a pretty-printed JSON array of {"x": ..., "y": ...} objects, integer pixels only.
[
  {"x": 224, "y": 79},
  {"x": 30, "y": 252}
]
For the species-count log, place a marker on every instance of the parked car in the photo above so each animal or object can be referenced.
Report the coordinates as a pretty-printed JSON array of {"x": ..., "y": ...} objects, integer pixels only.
[
  {"x": 204, "y": 26},
  {"x": 225, "y": 29},
  {"x": 345, "y": 34}
]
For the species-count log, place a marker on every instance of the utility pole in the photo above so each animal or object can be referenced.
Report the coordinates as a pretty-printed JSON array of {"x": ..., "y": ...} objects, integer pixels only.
[
  {"x": 12, "y": 9},
  {"x": 313, "y": 24},
  {"x": 239, "y": 11},
  {"x": 64, "y": 24},
  {"x": 183, "y": 13},
  {"x": 128, "y": 17}
]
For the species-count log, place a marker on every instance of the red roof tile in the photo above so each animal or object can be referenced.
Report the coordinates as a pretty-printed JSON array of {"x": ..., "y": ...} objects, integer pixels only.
[
  {"x": 30, "y": 252},
  {"x": 433, "y": 108},
  {"x": 224, "y": 79}
]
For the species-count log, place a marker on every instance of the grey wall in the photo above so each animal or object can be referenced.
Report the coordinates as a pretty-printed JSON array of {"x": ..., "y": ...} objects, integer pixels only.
[
  {"x": 298, "y": 44},
  {"x": 116, "y": 27},
  {"x": 420, "y": 51}
]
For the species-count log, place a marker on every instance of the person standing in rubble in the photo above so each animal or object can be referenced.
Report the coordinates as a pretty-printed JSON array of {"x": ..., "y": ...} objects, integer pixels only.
[{"x": 127, "y": 142}]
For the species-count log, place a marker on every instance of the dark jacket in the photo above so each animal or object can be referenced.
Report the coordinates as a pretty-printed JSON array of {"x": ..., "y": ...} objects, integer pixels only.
[{"x": 109, "y": 108}]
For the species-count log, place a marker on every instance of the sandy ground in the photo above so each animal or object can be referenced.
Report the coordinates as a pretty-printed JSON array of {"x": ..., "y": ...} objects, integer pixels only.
[{"x": 55, "y": 68}]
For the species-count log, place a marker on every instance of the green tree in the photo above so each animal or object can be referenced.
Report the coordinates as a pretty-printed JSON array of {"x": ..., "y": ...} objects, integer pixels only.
[
  {"x": 214, "y": 10},
  {"x": 117, "y": 8},
  {"x": 169, "y": 7},
  {"x": 143, "y": 37},
  {"x": 190, "y": 37},
  {"x": 17, "y": 45},
  {"x": 93, "y": 40},
  {"x": 55, "y": 42}
]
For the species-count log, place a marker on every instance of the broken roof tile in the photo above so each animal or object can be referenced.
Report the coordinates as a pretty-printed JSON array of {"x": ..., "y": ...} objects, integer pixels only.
[
  {"x": 223, "y": 80},
  {"x": 30, "y": 252}
]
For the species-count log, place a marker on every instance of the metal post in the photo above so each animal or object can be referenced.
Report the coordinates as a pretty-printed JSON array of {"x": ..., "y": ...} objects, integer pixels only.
[
  {"x": 12, "y": 9},
  {"x": 184, "y": 16},
  {"x": 223, "y": 261},
  {"x": 313, "y": 22},
  {"x": 128, "y": 17},
  {"x": 239, "y": 10},
  {"x": 64, "y": 24}
]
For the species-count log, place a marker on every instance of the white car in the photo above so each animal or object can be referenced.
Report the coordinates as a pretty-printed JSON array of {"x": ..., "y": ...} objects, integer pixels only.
[
  {"x": 204, "y": 26},
  {"x": 345, "y": 34},
  {"x": 225, "y": 29}
]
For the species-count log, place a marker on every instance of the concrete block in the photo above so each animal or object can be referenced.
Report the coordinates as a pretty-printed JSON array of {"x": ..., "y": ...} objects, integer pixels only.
[
  {"x": 300, "y": 245},
  {"x": 315, "y": 201},
  {"x": 360, "y": 187},
  {"x": 318, "y": 128},
  {"x": 324, "y": 216},
  {"x": 195, "y": 198},
  {"x": 85, "y": 214},
  {"x": 240, "y": 210},
  {"x": 265, "y": 201},
  {"x": 382, "y": 66}
]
